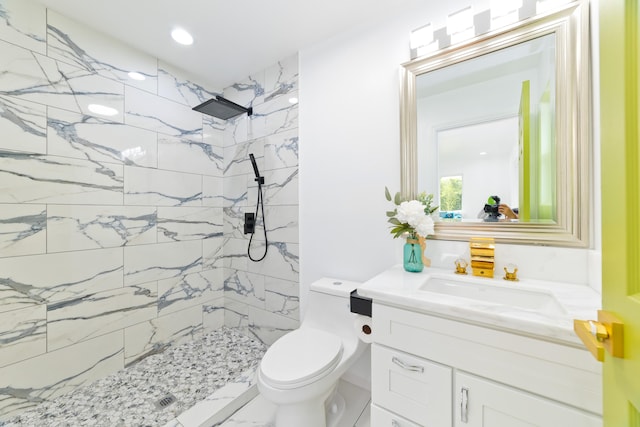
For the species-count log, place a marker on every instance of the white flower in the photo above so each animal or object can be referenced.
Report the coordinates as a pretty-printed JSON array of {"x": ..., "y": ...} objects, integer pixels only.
[
  {"x": 425, "y": 227},
  {"x": 410, "y": 212}
]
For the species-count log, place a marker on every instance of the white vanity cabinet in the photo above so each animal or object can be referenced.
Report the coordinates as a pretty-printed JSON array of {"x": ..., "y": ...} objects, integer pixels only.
[{"x": 435, "y": 372}]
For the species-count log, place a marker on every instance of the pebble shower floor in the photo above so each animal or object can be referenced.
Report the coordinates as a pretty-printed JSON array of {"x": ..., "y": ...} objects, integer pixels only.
[{"x": 190, "y": 372}]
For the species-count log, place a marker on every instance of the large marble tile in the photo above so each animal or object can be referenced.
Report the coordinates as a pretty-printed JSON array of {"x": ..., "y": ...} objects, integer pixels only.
[
  {"x": 236, "y": 315},
  {"x": 79, "y": 227},
  {"x": 147, "y": 263},
  {"x": 213, "y": 314},
  {"x": 32, "y": 381},
  {"x": 238, "y": 162},
  {"x": 23, "y": 230},
  {"x": 179, "y": 293},
  {"x": 282, "y": 261},
  {"x": 235, "y": 253},
  {"x": 144, "y": 186},
  {"x": 213, "y": 130},
  {"x": 158, "y": 334},
  {"x": 23, "y": 334},
  {"x": 50, "y": 278},
  {"x": 281, "y": 79},
  {"x": 268, "y": 327},
  {"x": 33, "y": 77},
  {"x": 282, "y": 223},
  {"x": 75, "y": 43},
  {"x": 234, "y": 222},
  {"x": 236, "y": 190},
  {"x": 280, "y": 187},
  {"x": 282, "y": 297},
  {"x": 32, "y": 178},
  {"x": 245, "y": 287},
  {"x": 213, "y": 253},
  {"x": 275, "y": 116},
  {"x": 84, "y": 137},
  {"x": 72, "y": 321},
  {"x": 188, "y": 223},
  {"x": 240, "y": 129},
  {"x": 162, "y": 115},
  {"x": 281, "y": 150},
  {"x": 23, "y": 125},
  {"x": 212, "y": 194},
  {"x": 189, "y": 155},
  {"x": 24, "y": 23},
  {"x": 248, "y": 92},
  {"x": 179, "y": 86}
]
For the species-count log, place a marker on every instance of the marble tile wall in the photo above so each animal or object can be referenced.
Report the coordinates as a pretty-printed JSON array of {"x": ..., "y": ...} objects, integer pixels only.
[
  {"x": 112, "y": 228},
  {"x": 263, "y": 296}
]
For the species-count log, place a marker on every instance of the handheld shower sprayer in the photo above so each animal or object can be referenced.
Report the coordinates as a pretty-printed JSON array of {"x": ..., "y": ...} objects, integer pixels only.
[
  {"x": 259, "y": 179},
  {"x": 259, "y": 204}
]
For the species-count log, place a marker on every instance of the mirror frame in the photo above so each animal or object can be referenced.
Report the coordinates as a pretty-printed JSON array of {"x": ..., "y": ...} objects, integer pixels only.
[{"x": 570, "y": 23}]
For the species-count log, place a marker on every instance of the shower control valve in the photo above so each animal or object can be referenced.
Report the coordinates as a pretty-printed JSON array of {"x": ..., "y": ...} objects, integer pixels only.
[{"x": 249, "y": 223}]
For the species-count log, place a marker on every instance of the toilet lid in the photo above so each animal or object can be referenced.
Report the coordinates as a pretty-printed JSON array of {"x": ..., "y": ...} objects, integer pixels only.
[{"x": 300, "y": 356}]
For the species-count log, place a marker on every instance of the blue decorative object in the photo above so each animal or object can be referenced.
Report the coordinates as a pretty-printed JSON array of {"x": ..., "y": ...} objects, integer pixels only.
[{"x": 413, "y": 256}]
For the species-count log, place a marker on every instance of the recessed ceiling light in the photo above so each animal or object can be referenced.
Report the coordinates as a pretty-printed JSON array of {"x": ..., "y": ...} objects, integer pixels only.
[
  {"x": 103, "y": 110},
  {"x": 136, "y": 75},
  {"x": 182, "y": 36},
  {"x": 483, "y": 153},
  {"x": 293, "y": 100}
]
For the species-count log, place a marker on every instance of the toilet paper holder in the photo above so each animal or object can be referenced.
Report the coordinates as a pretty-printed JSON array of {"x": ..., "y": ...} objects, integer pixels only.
[{"x": 359, "y": 304}]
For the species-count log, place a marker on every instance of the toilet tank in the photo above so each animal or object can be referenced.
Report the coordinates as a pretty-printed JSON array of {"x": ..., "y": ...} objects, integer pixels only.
[{"x": 328, "y": 306}]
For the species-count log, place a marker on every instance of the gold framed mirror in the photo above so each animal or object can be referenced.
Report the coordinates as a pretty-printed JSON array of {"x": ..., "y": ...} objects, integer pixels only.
[{"x": 505, "y": 114}]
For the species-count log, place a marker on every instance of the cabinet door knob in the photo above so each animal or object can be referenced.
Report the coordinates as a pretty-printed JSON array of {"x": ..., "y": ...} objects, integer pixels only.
[
  {"x": 406, "y": 366},
  {"x": 394, "y": 423}
]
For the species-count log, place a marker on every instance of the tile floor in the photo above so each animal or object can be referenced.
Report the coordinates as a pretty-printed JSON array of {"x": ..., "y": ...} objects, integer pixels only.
[
  {"x": 211, "y": 378},
  {"x": 191, "y": 372}
]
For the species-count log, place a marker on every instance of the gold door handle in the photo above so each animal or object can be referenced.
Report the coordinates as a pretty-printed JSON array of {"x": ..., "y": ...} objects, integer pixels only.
[{"x": 606, "y": 333}]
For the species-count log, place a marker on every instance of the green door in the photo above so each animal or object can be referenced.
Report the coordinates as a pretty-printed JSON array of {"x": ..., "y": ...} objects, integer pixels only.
[{"x": 619, "y": 65}]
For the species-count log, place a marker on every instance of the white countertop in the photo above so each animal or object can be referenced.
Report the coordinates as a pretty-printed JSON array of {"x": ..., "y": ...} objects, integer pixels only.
[{"x": 402, "y": 289}]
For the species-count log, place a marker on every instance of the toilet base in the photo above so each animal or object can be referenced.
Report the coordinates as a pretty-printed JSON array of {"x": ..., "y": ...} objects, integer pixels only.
[{"x": 317, "y": 413}]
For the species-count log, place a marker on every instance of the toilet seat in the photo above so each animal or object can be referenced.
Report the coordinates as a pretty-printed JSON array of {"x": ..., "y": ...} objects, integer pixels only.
[{"x": 300, "y": 357}]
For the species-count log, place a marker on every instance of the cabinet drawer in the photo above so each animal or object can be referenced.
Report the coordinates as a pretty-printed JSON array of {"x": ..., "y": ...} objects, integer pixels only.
[
  {"x": 416, "y": 388},
  {"x": 383, "y": 418}
]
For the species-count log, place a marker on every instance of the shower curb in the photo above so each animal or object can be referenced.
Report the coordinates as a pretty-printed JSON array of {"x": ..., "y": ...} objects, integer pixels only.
[{"x": 220, "y": 405}]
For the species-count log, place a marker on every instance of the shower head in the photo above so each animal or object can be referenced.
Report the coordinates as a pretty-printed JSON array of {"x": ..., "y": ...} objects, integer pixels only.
[{"x": 222, "y": 108}]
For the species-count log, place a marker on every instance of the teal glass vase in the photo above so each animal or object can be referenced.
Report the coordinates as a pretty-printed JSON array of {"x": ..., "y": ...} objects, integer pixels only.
[{"x": 412, "y": 257}]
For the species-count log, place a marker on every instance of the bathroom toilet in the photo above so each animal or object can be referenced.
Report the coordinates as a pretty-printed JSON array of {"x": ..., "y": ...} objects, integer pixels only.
[{"x": 299, "y": 373}]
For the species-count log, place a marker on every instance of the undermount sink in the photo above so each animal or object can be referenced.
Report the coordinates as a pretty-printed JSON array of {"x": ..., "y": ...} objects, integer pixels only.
[{"x": 508, "y": 295}]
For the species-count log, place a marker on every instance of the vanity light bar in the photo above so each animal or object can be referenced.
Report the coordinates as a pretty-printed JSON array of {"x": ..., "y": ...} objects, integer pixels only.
[
  {"x": 546, "y": 5},
  {"x": 460, "y": 25},
  {"x": 500, "y": 8},
  {"x": 422, "y": 40},
  {"x": 463, "y": 24}
]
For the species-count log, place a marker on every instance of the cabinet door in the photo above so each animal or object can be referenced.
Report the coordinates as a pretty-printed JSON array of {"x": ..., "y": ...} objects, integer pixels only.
[
  {"x": 415, "y": 388},
  {"x": 483, "y": 403}
]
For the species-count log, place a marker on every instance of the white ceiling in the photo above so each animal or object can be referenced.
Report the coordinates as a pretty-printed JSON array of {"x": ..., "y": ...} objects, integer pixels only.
[{"x": 233, "y": 38}]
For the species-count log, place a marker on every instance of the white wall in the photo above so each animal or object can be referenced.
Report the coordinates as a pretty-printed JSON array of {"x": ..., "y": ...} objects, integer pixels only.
[{"x": 349, "y": 151}]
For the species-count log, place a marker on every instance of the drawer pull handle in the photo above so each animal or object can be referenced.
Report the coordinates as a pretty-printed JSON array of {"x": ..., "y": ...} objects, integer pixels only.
[
  {"x": 464, "y": 405},
  {"x": 406, "y": 366}
]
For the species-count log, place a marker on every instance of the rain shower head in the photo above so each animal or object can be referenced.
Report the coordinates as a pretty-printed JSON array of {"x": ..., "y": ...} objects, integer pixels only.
[{"x": 222, "y": 108}]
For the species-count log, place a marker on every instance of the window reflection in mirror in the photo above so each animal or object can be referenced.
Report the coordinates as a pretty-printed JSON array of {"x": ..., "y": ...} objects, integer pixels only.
[{"x": 490, "y": 119}]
